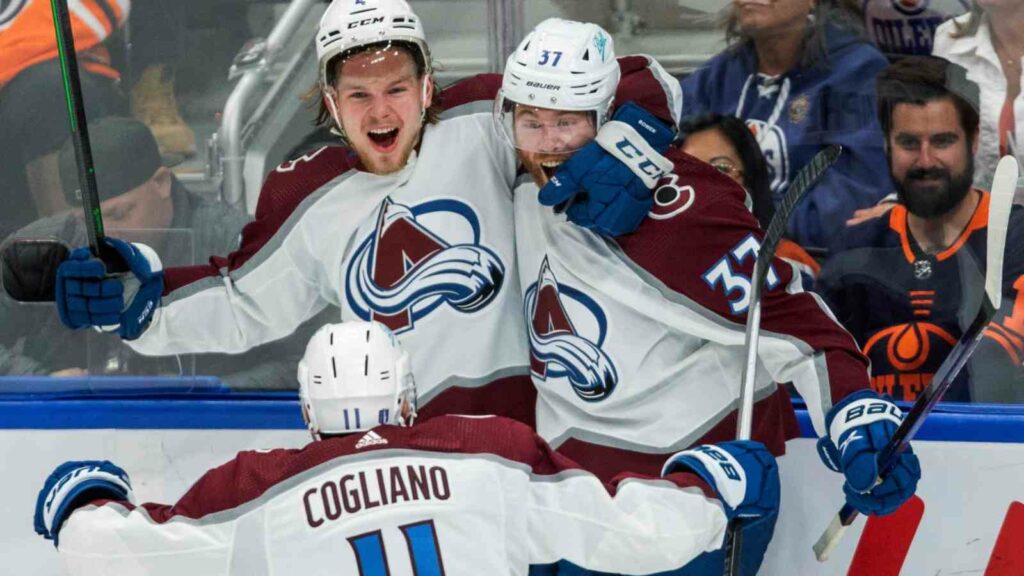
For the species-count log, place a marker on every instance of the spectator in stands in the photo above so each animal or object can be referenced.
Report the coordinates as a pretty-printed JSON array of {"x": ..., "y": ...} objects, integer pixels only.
[
  {"x": 989, "y": 42},
  {"x": 913, "y": 280},
  {"x": 802, "y": 78},
  {"x": 727, "y": 144},
  {"x": 33, "y": 114},
  {"x": 138, "y": 196},
  {"x": 907, "y": 27}
]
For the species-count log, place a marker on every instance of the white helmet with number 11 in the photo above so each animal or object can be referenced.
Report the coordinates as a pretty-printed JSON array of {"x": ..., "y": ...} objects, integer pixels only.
[{"x": 353, "y": 377}]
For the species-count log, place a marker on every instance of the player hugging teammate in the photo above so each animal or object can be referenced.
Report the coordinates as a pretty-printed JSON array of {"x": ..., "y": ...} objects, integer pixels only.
[{"x": 560, "y": 237}]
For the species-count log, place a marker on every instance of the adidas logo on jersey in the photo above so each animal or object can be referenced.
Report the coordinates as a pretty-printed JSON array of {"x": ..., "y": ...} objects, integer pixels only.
[{"x": 371, "y": 438}]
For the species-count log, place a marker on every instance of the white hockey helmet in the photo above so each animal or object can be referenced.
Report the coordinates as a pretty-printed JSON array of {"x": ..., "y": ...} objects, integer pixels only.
[
  {"x": 350, "y": 24},
  {"x": 560, "y": 65},
  {"x": 353, "y": 377}
]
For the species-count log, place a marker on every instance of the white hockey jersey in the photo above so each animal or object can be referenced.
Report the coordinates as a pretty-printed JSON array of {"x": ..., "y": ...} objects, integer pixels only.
[
  {"x": 636, "y": 344},
  {"x": 428, "y": 251},
  {"x": 454, "y": 495}
]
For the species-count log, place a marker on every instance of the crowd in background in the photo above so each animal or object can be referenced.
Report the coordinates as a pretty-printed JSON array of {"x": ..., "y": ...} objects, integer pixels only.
[{"x": 796, "y": 77}]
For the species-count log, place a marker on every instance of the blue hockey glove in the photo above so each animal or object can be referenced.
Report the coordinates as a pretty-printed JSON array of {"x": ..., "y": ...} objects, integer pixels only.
[
  {"x": 87, "y": 296},
  {"x": 743, "y": 473},
  {"x": 859, "y": 427},
  {"x": 608, "y": 183},
  {"x": 74, "y": 484}
]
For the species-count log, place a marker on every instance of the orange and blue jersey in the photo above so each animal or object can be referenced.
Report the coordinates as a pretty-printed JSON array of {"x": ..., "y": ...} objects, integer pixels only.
[{"x": 907, "y": 308}]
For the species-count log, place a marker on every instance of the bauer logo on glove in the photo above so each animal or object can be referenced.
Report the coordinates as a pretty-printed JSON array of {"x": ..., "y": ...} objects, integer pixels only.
[{"x": 859, "y": 427}]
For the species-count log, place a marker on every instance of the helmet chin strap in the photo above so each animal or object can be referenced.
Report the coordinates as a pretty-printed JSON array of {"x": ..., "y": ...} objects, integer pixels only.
[{"x": 427, "y": 81}]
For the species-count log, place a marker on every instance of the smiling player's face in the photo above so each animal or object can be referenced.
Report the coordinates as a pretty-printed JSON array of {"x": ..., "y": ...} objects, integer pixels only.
[
  {"x": 380, "y": 102},
  {"x": 545, "y": 138}
]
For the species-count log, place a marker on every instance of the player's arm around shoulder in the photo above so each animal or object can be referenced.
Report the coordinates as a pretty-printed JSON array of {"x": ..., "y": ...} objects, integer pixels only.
[
  {"x": 698, "y": 215},
  {"x": 700, "y": 241},
  {"x": 646, "y": 83},
  {"x": 479, "y": 88}
]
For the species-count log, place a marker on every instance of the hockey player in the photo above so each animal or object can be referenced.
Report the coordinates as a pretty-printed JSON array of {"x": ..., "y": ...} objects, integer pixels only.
[
  {"x": 375, "y": 495},
  {"x": 636, "y": 343},
  {"x": 412, "y": 227},
  {"x": 903, "y": 292}
]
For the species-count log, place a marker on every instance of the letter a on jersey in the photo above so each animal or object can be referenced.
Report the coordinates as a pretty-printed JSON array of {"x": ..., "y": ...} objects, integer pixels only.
[
  {"x": 405, "y": 270},
  {"x": 557, "y": 348}
]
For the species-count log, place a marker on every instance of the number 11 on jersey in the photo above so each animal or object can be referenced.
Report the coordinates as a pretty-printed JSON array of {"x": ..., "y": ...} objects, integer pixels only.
[{"x": 421, "y": 540}]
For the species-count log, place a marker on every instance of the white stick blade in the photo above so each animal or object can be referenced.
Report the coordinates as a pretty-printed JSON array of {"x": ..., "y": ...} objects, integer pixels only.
[
  {"x": 1004, "y": 185},
  {"x": 829, "y": 539}
]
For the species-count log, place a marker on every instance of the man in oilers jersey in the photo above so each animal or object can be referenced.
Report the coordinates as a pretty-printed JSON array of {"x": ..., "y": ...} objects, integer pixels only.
[
  {"x": 410, "y": 226},
  {"x": 913, "y": 283},
  {"x": 375, "y": 494},
  {"x": 636, "y": 343}
]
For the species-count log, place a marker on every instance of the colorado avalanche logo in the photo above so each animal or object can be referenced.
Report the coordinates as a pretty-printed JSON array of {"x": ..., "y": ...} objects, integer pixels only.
[
  {"x": 560, "y": 348},
  {"x": 405, "y": 269},
  {"x": 671, "y": 198}
]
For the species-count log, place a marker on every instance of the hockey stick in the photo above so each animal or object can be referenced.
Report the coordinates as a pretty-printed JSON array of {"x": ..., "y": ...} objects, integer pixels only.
[
  {"x": 1004, "y": 185},
  {"x": 80, "y": 137},
  {"x": 804, "y": 181}
]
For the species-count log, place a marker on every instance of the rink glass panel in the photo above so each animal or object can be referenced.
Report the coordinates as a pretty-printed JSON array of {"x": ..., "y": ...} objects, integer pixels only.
[{"x": 215, "y": 41}]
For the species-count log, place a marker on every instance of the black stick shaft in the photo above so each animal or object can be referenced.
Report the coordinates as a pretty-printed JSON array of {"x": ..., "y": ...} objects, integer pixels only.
[{"x": 78, "y": 125}]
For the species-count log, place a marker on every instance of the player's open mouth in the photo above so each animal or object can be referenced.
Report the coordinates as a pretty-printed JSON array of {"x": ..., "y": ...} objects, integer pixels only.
[
  {"x": 383, "y": 139},
  {"x": 549, "y": 167}
]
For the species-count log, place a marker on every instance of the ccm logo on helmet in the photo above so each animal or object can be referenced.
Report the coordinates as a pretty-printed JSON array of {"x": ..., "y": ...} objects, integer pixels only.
[{"x": 376, "y": 20}]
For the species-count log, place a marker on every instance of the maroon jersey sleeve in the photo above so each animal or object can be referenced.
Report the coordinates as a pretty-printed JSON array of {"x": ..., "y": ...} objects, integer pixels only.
[
  {"x": 700, "y": 241},
  {"x": 282, "y": 192},
  {"x": 647, "y": 84}
]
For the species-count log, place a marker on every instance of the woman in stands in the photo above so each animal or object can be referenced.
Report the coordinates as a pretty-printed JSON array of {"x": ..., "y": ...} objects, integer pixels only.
[
  {"x": 730, "y": 147},
  {"x": 801, "y": 75}
]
